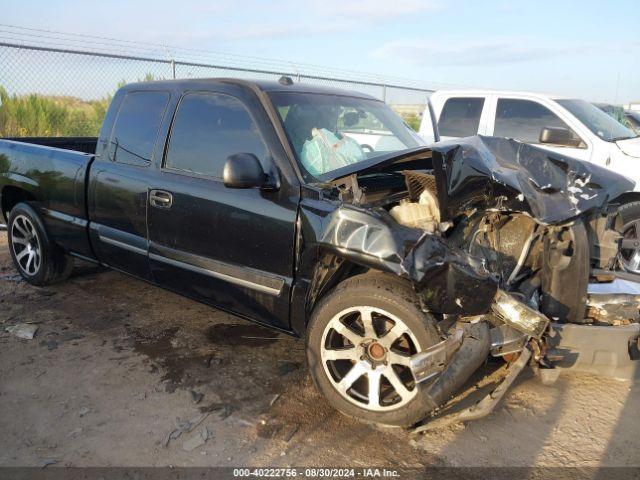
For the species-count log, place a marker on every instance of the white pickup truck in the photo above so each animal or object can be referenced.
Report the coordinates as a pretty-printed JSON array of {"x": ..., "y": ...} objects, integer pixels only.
[{"x": 566, "y": 125}]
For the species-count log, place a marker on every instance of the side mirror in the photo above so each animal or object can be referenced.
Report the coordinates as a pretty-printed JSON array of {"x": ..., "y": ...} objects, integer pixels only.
[
  {"x": 559, "y": 136},
  {"x": 243, "y": 170}
]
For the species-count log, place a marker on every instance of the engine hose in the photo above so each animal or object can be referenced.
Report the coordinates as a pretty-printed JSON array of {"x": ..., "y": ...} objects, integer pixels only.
[{"x": 469, "y": 357}]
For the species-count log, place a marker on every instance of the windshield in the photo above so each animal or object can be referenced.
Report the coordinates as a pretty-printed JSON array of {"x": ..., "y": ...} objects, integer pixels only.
[
  {"x": 597, "y": 121},
  {"x": 328, "y": 132}
]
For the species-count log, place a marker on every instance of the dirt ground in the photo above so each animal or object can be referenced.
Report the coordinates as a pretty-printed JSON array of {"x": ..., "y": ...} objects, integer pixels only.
[{"x": 121, "y": 373}]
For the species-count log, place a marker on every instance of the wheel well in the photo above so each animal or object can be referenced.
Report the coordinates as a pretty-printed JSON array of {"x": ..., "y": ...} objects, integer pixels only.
[
  {"x": 332, "y": 269},
  {"x": 11, "y": 196}
]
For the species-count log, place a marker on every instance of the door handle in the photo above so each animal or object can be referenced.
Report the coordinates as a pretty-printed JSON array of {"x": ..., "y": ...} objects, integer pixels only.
[{"x": 160, "y": 199}]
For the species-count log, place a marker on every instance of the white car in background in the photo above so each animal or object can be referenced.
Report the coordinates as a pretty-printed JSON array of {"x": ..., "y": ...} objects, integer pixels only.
[{"x": 565, "y": 125}]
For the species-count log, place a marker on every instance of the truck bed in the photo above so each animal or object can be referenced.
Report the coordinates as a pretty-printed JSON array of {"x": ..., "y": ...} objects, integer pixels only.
[
  {"x": 55, "y": 176},
  {"x": 78, "y": 144}
]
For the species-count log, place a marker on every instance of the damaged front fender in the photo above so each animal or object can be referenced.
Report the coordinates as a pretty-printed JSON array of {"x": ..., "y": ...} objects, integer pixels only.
[{"x": 449, "y": 280}]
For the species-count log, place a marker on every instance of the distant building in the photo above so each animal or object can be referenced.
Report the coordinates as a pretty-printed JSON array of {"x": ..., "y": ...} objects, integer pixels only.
[{"x": 633, "y": 106}]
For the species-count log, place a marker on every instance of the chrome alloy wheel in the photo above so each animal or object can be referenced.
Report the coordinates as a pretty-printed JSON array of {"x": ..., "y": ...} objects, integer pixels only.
[
  {"x": 26, "y": 245},
  {"x": 365, "y": 353},
  {"x": 630, "y": 251}
]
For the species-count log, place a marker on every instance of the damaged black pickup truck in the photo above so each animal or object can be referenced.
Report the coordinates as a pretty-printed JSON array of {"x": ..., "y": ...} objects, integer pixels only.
[{"x": 320, "y": 213}]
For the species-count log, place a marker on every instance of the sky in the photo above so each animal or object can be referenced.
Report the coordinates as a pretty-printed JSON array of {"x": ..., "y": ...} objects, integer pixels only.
[{"x": 588, "y": 49}]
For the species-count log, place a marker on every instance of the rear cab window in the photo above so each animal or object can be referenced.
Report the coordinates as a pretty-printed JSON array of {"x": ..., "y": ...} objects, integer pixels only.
[
  {"x": 460, "y": 117},
  {"x": 136, "y": 127}
]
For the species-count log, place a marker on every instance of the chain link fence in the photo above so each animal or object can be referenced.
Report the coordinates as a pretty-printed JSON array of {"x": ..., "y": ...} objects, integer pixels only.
[{"x": 47, "y": 91}]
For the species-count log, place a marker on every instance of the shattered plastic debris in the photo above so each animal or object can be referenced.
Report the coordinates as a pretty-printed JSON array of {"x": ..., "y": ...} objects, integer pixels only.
[
  {"x": 196, "y": 397},
  {"x": 197, "y": 440},
  {"x": 48, "y": 461},
  {"x": 614, "y": 309},
  {"x": 185, "y": 426},
  {"x": 26, "y": 331},
  {"x": 486, "y": 405}
]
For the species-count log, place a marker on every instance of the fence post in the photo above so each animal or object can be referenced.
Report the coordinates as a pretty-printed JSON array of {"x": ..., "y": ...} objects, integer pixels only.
[
  {"x": 173, "y": 68},
  {"x": 384, "y": 93}
]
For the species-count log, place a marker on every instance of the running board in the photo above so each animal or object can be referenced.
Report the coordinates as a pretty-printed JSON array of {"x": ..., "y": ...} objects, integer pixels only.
[{"x": 485, "y": 406}]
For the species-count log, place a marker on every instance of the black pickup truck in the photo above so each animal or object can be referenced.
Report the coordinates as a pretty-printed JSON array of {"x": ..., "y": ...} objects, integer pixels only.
[{"x": 320, "y": 213}]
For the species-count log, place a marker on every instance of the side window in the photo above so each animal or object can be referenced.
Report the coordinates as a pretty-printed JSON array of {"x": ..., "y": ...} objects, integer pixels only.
[
  {"x": 523, "y": 120},
  {"x": 136, "y": 127},
  {"x": 460, "y": 117},
  {"x": 209, "y": 127}
]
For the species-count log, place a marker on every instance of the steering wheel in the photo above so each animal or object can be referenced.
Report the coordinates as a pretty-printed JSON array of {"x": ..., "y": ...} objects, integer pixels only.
[{"x": 365, "y": 146}]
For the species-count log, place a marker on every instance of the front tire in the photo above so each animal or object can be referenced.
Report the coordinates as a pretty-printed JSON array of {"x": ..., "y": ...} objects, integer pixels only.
[
  {"x": 630, "y": 251},
  {"x": 38, "y": 260},
  {"x": 359, "y": 342}
]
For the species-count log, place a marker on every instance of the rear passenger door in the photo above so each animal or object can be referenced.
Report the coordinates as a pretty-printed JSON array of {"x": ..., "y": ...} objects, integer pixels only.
[
  {"x": 524, "y": 119},
  {"x": 119, "y": 183},
  {"x": 232, "y": 248},
  {"x": 461, "y": 117}
]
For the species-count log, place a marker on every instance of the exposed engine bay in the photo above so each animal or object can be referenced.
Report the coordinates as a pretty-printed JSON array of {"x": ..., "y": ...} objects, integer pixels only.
[
  {"x": 548, "y": 265},
  {"x": 500, "y": 241}
]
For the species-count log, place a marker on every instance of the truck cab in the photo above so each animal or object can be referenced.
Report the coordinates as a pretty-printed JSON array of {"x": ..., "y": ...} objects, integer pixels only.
[
  {"x": 319, "y": 212},
  {"x": 564, "y": 125}
]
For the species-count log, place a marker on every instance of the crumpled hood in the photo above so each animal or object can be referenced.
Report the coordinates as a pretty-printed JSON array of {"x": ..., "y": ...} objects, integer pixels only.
[
  {"x": 491, "y": 173},
  {"x": 494, "y": 173},
  {"x": 630, "y": 146}
]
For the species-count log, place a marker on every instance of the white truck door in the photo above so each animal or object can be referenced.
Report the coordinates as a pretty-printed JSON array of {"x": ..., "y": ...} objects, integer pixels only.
[{"x": 523, "y": 120}]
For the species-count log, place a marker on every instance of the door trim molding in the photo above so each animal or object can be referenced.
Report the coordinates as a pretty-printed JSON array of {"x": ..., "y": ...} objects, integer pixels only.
[
  {"x": 241, "y": 276},
  {"x": 126, "y": 246}
]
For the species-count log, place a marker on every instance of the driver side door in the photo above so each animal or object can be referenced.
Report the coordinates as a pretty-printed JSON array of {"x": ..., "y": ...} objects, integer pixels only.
[{"x": 229, "y": 247}]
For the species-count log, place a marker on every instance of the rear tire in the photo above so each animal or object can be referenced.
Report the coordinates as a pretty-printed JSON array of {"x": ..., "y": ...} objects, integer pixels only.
[
  {"x": 366, "y": 381},
  {"x": 630, "y": 251},
  {"x": 38, "y": 260}
]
